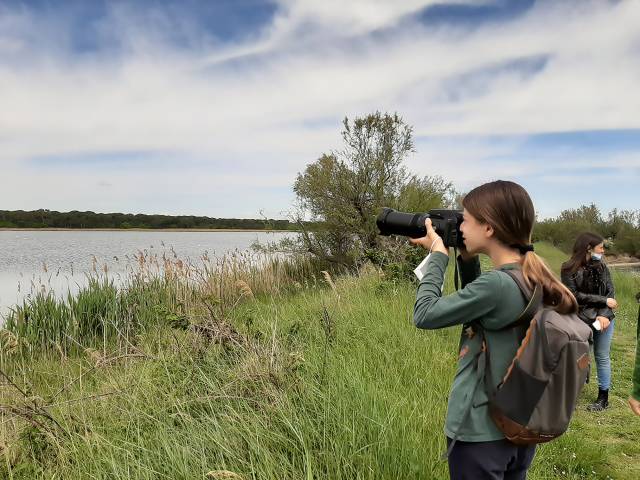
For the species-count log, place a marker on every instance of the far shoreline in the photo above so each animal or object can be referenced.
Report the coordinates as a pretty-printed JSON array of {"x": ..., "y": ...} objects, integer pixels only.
[{"x": 52, "y": 229}]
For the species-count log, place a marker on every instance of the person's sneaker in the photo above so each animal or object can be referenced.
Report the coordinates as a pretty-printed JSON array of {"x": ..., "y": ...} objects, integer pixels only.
[{"x": 601, "y": 403}]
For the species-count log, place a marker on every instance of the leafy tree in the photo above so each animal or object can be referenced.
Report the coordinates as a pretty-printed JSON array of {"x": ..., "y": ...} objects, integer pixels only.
[
  {"x": 421, "y": 194},
  {"x": 344, "y": 191},
  {"x": 588, "y": 215}
]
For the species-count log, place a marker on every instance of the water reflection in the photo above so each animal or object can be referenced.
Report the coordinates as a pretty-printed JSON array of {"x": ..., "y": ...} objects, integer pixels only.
[{"x": 60, "y": 261}]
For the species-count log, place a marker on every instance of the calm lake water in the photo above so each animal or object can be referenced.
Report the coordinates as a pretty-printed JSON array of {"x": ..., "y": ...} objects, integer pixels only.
[
  {"x": 634, "y": 270},
  {"x": 60, "y": 260}
]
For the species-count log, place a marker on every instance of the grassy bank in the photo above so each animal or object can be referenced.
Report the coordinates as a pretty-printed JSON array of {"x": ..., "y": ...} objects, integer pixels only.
[{"x": 272, "y": 375}]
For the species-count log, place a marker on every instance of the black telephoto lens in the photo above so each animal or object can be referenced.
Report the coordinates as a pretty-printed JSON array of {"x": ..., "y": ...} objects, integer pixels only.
[
  {"x": 446, "y": 223},
  {"x": 392, "y": 222}
]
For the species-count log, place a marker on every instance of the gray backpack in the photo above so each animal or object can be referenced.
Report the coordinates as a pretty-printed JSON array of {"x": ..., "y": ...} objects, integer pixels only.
[{"x": 538, "y": 394}]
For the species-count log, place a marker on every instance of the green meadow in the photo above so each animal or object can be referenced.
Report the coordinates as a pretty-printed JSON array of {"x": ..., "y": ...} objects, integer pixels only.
[{"x": 261, "y": 371}]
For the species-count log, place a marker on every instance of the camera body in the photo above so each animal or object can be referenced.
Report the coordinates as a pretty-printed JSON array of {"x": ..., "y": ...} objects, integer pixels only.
[{"x": 446, "y": 223}]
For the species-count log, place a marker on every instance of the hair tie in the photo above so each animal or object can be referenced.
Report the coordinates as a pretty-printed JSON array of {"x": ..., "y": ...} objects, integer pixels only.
[{"x": 523, "y": 248}]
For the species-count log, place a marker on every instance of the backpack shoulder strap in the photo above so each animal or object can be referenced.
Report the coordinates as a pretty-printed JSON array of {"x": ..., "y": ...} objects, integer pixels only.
[{"x": 534, "y": 299}]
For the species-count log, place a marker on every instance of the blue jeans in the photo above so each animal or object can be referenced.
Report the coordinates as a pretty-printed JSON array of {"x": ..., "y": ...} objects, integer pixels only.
[{"x": 601, "y": 349}]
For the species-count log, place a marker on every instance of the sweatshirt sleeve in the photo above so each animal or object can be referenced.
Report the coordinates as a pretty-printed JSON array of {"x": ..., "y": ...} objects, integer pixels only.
[{"x": 471, "y": 303}]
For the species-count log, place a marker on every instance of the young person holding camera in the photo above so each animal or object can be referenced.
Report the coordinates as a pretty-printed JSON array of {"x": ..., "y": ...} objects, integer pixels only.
[
  {"x": 498, "y": 219},
  {"x": 589, "y": 279}
]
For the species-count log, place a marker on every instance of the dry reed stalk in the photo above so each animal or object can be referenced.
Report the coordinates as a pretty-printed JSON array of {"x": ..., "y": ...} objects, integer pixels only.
[
  {"x": 94, "y": 356},
  {"x": 63, "y": 355},
  {"x": 244, "y": 288},
  {"x": 220, "y": 332},
  {"x": 223, "y": 474},
  {"x": 32, "y": 409},
  {"x": 106, "y": 361},
  {"x": 329, "y": 280},
  {"x": 8, "y": 341}
]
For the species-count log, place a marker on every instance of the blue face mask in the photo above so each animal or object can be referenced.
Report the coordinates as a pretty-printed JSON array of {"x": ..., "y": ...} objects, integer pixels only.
[{"x": 596, "y": 256}]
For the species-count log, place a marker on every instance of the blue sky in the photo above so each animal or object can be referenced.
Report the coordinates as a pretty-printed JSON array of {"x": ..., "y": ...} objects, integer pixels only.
[{"x": 213, "y": 107}]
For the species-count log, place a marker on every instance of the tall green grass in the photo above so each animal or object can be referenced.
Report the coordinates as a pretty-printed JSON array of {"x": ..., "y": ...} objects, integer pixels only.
[
  {"x": 300, "y": 383},
  {"x": 157, "y": 291}
]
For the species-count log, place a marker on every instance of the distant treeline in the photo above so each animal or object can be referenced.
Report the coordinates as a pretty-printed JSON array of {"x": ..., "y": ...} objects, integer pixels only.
[
  {"x": 76, "y": 219},
  {"x": 620, "y": 228}
]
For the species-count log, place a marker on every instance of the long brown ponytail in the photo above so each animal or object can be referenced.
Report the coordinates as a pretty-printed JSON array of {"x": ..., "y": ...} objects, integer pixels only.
[{"x": 507, "y": 207}]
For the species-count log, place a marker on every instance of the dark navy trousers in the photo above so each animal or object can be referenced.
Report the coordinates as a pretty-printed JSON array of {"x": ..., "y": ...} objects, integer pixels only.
[{"x": 497, "y": 460}]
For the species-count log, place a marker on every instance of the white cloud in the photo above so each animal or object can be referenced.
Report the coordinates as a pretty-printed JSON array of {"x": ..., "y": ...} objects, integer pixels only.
[
  {"x": 254, "y": 104},
  {"x": 308, "y": 21}
]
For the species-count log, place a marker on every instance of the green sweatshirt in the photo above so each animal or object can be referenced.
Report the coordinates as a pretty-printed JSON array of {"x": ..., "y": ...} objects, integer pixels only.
[
  {"x": 636, "y": 372},
  {"x": 493, "y": 300}
]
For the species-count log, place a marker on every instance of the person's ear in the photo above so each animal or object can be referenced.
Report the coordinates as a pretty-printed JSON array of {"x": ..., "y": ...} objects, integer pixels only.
[{"x": 488, "y": 230}]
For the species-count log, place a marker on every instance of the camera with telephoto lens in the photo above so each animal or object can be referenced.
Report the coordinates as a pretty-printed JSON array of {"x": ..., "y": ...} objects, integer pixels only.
[{"x": 446, "y": 223}]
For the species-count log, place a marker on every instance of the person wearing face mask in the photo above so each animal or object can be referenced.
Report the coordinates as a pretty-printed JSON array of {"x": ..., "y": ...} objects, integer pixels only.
[{"x": 589, "y": 279}]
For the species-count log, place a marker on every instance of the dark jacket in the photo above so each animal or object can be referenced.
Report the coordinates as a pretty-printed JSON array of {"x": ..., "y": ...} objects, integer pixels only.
[{"x": 592, "y": 298}]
